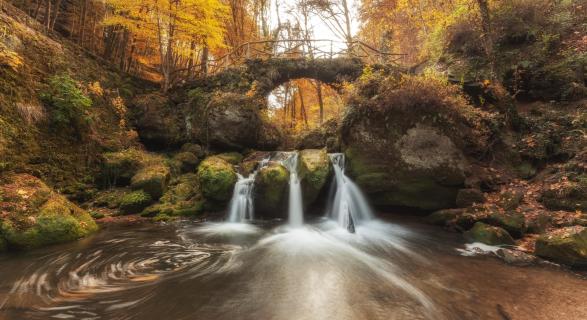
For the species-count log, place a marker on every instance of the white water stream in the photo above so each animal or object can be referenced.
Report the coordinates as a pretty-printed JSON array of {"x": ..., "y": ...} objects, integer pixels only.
[
  {"x": 241, "y": 205},
  {"x": 347, "y": 204},
  {"x": 295, "y": 205}
]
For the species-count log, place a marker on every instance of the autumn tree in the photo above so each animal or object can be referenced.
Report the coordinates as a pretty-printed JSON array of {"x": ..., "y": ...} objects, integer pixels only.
[{"x": 175, "y": 26}]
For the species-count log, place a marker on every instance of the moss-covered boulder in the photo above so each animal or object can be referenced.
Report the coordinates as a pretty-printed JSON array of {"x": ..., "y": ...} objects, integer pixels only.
[
  {"x": 109, "y": 198},
  {"x": 444, "y": 217},
  {"x": 186, "y": 161},
  {"x": 566, "y": 194},
  {"x": 469, "y": 197},
  {"x": 135, "y": 202},
  {"x": 217, "y": 178},
  {"x": 196, "y": 149},
  {"x": 271, "y": 185},
  {"x": 118, "y": 168},
  {"x": 407, "y": 139},
  {"x": 233, "y": 158},
  {"x": 152, "y": 179},
  {"x": 487, "y": 234},
  {"x": 567, "y": 246},
  {"x": 314, "y": 168},
  {"x": 35, "y": 216},
  {"x": 183, "y": 198},
  {"x": 514, "y": 223}
]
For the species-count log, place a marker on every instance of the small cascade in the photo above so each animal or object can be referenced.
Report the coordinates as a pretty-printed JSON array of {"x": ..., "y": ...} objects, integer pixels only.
[
  {"x": 241, "y": 205},
  {"x": 295, "y": 208},
  {"x": 347, "y": 204}
]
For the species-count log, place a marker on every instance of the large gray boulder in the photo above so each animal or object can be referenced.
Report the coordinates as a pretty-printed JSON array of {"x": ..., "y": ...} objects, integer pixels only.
[{"x": 407, "y": 141}]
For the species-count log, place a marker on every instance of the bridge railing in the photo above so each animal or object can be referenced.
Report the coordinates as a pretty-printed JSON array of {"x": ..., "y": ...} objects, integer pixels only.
[{"x": 300, "y": 48}]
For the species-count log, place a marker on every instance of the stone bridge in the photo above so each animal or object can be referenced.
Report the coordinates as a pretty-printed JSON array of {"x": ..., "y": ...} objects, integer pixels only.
[{"x": 260, "y": 77}]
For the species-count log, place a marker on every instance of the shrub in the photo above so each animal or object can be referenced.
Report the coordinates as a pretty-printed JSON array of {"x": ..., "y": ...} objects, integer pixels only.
[{"x": 68, "y": 103}]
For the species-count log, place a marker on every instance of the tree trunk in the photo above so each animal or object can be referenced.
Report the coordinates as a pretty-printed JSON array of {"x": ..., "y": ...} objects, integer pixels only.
[
  {"x": 56, "y": 11},
  {"x": 47, "y": 14},
  {"x": 320, "y": 100},
  {"x": 82, "y": 32},
  {"x": 204, "y": 59},
  {"x": 303, "y": 107}
]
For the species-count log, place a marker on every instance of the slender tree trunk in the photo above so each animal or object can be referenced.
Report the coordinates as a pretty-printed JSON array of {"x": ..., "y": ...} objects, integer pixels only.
[
  {"x": 84, "y": 12},
  {"x": 47, "y": 14},
  {"x": 204, "y": 59},
  {"x": 487, "y": 36},
  {"x": 38, "y": 9},
  {"x": 303, "y": 107},
  {"x": 320, "y": 100},
  {"x": 56, "y": 11}
]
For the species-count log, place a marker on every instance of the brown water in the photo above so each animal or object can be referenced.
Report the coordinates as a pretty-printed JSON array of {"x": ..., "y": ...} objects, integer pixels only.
[{"x": 218, "y": 271}]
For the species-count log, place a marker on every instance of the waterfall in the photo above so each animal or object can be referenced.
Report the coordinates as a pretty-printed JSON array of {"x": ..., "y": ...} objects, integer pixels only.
[
  {"x": 241, "y": 205},
  {"x": 347, "y": 204},
  {"x": 295, "y": 207}
]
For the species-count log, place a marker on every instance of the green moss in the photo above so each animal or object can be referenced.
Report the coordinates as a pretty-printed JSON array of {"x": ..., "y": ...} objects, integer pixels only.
[
  {"x": 314, "y": 168},
  {"x": 217, "y": 178},
  {"x": 153, "y": 179},
  {"x": 488, "y": 235},
  {"x": 58, "y": 221},
  {"x": 513, "y": 223},
  {"x": 271, "y": 185},
  {"x": 567, "y": 246},
  {"x": 119, "y": 167},
  {"x": 233, "y": 158},
  {"x": 135, "y": 202}
]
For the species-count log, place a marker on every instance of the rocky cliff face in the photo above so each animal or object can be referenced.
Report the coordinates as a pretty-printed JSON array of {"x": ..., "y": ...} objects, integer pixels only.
[{"x": 407, "y": 141}]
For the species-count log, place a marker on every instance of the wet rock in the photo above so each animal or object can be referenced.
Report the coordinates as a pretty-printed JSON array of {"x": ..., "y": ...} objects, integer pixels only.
[
  {"x": 314, "y": 168},
  {"x": 271, "y": 185},
  {"x": 566, "y": 194},
  {"x": 487, "y": 234},
  {"x": 539, "y": 224},
  {"x": 444, "y": 217},
  {"x": 251, "y": 162},
  {"x": 466, "y": 221},
  {"x": 217, "y": 178},
  {"x": 468, "y": 197},
  {"x": 511, "y": 199},
  {"x": 516, "y": 258},
  {"x": 187, "y": 161},
  {"x": 152, "y": 179},
  {"x": 513, "y": 223},
  {"x": 567, "y": 246},
  {"x": 35, "y": 216},
  {"x": 135, "y": 202}
]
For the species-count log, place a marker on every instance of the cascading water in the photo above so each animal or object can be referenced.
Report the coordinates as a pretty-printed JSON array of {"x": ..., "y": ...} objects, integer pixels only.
[
  {"x": 241, "y": 205},
  {"x": 347, "y": 204},
  {"x": 295, "y": 208}
]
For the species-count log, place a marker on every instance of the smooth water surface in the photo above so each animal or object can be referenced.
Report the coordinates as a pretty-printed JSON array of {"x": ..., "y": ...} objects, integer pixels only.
[{"x": 243, "y": 271}]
